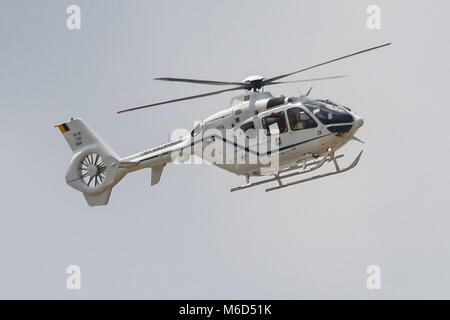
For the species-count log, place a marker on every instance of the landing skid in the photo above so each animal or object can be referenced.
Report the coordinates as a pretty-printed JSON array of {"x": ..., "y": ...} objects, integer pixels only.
[{"x": 303, "y": 170}]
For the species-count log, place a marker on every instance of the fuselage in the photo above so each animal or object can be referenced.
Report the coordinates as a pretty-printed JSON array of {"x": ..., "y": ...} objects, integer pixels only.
[{"x": 257, "y": 125}]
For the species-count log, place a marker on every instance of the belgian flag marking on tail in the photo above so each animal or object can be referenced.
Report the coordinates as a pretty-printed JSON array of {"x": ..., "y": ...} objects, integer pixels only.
[{"x": 63, "y": 127}]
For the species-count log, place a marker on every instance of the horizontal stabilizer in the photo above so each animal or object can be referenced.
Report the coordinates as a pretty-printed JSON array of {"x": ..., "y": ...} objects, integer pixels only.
[{"x": 156, "y": 173}]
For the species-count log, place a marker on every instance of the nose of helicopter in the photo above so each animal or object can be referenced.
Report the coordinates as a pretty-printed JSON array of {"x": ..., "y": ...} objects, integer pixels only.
[{"x": 358, "y": 123}]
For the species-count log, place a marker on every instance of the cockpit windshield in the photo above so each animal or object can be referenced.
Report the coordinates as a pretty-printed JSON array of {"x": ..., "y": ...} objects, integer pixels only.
[{"x": 328, "y": 113}]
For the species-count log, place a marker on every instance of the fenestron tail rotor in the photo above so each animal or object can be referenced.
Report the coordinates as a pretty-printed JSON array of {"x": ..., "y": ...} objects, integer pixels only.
[
  {"x": 92, "y": 170},
  {"x": 251, "y": 83}
]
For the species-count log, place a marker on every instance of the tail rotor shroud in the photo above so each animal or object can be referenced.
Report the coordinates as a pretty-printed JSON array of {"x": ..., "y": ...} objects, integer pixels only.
[{"x": 93, "y": 170}]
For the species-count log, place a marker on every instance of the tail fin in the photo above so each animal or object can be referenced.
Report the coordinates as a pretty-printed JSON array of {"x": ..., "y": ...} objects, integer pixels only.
[{"x": 94, "y": 168}]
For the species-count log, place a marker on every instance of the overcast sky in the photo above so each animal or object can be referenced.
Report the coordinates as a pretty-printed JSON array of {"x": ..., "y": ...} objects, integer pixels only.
[{"x": 189, "y": 237}]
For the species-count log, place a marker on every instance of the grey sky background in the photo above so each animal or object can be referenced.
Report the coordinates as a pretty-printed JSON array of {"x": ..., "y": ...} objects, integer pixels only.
[{"x": 189, "y": 237}]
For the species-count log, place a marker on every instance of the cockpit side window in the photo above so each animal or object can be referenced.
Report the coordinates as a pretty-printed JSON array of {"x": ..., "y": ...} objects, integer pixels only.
[
  {"x": 277, "y": 118},
  {"x": 299, "y": 119},
  {"x": 248, "y": 129}
]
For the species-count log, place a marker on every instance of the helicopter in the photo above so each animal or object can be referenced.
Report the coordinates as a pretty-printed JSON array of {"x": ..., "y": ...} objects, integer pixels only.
[{"x": 261, "y": 136}]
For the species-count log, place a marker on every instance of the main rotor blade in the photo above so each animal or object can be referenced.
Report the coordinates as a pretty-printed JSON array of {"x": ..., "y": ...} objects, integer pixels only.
[
  {"x": 182, "y": 99},
  {"x": 211, "y": 82},
  {"x": 270, "y": 80},
  {"x": 308, "y": 80}
]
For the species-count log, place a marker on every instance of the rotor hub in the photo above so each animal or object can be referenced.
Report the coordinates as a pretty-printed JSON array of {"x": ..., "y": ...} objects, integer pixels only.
[
  {"x": 254, "y": 82},
  {"x": 253, "y": 78},
  {"x": 92, "y": 170}
]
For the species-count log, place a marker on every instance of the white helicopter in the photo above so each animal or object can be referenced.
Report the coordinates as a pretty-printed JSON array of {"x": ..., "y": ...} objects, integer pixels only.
[{"x": 298, "y": 134}]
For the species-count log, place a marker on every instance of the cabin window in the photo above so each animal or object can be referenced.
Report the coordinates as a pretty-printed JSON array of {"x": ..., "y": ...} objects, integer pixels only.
[
  {"x": 299, "y": 119},
  {"x": 274, "y": 102},
  {"x": 277, "y": 118},
  {"x": 248, "y": 126}
]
